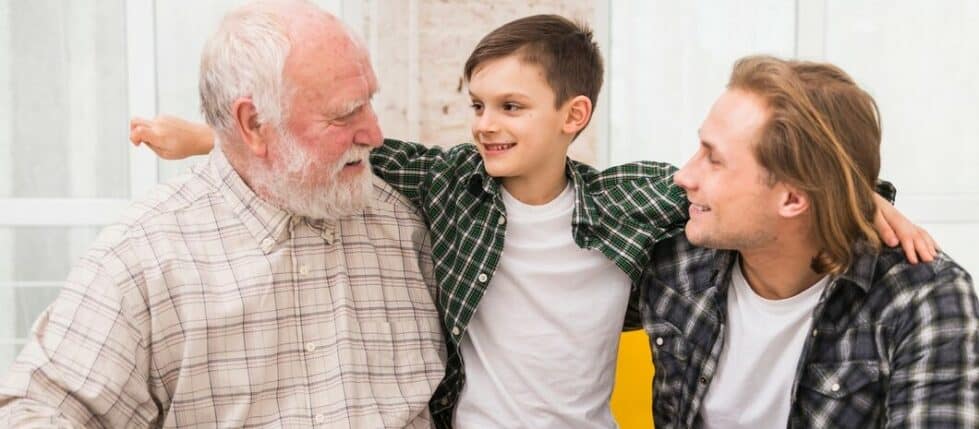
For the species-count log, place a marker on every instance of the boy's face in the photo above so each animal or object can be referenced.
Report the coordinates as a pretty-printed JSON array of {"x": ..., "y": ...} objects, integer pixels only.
[{"x": 519, "y": 132}]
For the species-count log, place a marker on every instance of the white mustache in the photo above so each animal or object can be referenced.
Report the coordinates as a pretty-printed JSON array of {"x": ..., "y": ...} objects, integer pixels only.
[{"x": 354, "y": 154}]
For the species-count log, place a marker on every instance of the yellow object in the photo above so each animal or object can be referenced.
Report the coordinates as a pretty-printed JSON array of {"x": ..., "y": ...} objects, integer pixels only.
[{"x": 632, "y": 397}]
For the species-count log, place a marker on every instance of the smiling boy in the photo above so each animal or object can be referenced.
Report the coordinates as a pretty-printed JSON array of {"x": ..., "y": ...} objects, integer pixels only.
[{"x": 535, "y": 254}]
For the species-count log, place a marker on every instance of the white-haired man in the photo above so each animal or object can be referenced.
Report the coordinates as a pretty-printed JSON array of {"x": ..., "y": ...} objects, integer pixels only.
[{"x": 279, "y": 284}]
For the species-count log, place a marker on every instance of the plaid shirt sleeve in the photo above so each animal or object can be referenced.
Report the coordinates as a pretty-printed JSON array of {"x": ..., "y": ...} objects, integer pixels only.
[
  {"x": 85, "y": 363},
  {"x": 407, "y": 167},
  {"x": 935, "y": 366},
  {"x": 643, "y": 194}
]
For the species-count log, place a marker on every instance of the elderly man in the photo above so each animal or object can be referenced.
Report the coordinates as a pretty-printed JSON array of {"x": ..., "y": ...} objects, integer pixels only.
[
  {"x": 279, "y": 284},
  {"x": 793, "y": 315}
]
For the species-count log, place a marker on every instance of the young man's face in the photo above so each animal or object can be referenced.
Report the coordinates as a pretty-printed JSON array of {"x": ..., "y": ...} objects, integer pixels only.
[
  {"x": 516, "y": 127},
  {"x": 732, "y": 205}
]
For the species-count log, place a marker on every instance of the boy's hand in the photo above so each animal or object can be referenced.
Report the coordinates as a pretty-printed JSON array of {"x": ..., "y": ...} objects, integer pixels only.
[
  {"x": 893, "y": 229},
  {"x": 171, "y": 137}
]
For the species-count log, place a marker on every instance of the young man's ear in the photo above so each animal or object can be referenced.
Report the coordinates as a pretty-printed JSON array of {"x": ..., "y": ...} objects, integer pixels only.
[
  {"x": 579, "y": 112},
  {"x": 792, "y": 201},
  {"x": 249, "y": 128}
]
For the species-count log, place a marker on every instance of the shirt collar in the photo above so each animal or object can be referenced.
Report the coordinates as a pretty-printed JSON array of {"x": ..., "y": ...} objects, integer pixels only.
[
  {"x": 267, "y": 223},
  {"x": 478, "y": 181},
  {"x": 863, "y": 268},
  {"x": 860, "y": 273},
  {"x": 585, "y": 211},
  {"x": 481, "y": 184}
]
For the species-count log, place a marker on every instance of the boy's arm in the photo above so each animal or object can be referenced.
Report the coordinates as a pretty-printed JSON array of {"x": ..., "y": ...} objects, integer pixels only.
[
  {"x": 171, "y": 137},
  {"x": 407, "y": 167},
  {"x": 403, "y": 165},
  {"x": 648, "y": 196},
  {"x": 894, "y": 228}
]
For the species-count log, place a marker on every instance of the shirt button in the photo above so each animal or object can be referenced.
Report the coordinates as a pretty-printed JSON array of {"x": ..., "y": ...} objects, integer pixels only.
[
  {"x": 455, "y": 331},
  {"x": 501, "y": 220},
  {"x": 703, "y": 380},
  {"x": 303, "y": 270},
  {"x": 320, "y": 419},
  {"x": 835, "y": 387},
  {"x": 659, "y": 341},
  {"x": 267, "y": 244},
  {"x": 482, "y": 278},
  {"x": 310, "y": 347},
  {"x": 444, "y": 401},
  {"x": 815, "y": 332}
]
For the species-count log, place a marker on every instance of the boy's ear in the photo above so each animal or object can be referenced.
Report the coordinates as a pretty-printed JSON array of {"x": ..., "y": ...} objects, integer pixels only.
[
  {"x": 579, "y": 113},
  {"x": 248, "y": 126},
  {"x": 792, "y": 201}
]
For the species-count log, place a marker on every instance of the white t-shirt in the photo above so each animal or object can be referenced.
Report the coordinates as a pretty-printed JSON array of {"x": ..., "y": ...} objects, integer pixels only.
[
  {"x": 753, "y": 383},
  {"x": 540, "y": 350}
]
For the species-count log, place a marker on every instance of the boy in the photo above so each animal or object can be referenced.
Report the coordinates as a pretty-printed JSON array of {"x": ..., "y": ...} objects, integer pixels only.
[{"x": 548, "y": 250}]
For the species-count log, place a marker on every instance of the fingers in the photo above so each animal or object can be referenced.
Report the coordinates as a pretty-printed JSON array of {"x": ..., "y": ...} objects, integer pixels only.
[
  {"x": 887, "y": 234},
  {"x": 142, "y": 131},
  {"x": 910, "y": 251},
  {"x": 928, "y": 243}
]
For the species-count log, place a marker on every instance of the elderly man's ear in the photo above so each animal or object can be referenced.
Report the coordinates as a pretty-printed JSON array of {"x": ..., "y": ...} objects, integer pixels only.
[{"x": 254, "y": 134}]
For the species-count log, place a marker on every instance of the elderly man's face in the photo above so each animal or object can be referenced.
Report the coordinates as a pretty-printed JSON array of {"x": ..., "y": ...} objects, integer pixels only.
[
  {"x": 732, "y": 206},
  {"x": 330, "y": 127}
]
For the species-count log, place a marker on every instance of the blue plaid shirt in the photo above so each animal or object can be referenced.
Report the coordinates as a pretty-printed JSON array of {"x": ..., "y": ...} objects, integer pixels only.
[{"x": 892, "y": 344}]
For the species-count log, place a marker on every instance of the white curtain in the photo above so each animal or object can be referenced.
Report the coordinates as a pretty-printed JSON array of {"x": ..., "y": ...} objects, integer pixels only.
[{"x": 63, "y": 116}]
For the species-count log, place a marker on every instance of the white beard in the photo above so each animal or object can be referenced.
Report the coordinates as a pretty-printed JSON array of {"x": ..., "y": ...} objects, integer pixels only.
[{"x": 288, "y": 185}]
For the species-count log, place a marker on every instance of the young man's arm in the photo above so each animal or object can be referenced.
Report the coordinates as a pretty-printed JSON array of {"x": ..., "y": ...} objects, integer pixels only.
[{"x": 934, "y": 379}]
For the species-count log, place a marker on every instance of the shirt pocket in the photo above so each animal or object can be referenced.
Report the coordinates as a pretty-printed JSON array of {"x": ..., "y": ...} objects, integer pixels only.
[
  {"x": 670, "y": 359},
  {"x": 848, "y": 389}
]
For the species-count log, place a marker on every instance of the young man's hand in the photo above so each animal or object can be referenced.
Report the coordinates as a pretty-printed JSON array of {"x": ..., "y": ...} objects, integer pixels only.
[
  {"x": 171, "y": 137},
  {"x": 893, "y": 229}
]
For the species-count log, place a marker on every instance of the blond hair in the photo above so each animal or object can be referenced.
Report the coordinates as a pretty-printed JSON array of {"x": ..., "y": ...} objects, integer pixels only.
[{"x": 823, "y": 137}]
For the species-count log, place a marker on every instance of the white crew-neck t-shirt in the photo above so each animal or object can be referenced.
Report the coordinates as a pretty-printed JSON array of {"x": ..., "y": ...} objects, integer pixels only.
[
  {"x": 753, "y": 383},
  {"x": 541, "y": 349}
]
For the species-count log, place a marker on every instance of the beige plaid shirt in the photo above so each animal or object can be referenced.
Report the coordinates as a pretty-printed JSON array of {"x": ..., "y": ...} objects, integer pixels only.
[{"x": 207, "y": 307}]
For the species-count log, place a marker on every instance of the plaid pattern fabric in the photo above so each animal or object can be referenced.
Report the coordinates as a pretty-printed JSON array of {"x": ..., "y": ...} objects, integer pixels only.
[
  {"x": 208, "y": 307},
  {"x": 892, "y": 344},
  {"x": 620, "y": 211}
]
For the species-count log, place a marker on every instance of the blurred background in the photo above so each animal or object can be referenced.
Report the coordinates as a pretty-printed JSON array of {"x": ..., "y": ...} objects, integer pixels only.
[{"x": 72, "y": 72}]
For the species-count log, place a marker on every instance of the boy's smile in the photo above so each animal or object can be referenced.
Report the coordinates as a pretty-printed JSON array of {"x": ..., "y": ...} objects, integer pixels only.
[{"x": 517, "y": 128}]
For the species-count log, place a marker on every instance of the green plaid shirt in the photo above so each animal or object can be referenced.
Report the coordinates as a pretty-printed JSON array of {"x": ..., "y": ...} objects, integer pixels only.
[{"x": 621, "y": 211}]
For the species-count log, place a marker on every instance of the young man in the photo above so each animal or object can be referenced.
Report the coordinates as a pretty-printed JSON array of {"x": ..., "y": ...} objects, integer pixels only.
[
  {"x": 536, "y": 256},
  {"x": 791, "y": 314}
]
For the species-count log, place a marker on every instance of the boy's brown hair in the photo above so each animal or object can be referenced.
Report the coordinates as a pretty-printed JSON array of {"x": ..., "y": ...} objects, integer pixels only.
[
  {"x": 570, "y": 58},
  {"x": 823, "y": 137}
]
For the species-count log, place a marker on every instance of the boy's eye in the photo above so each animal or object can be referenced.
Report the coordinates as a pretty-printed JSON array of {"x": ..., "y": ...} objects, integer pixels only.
[
  {"x": 510, "y": 107},
  {"x": 476, "y": 106}
]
